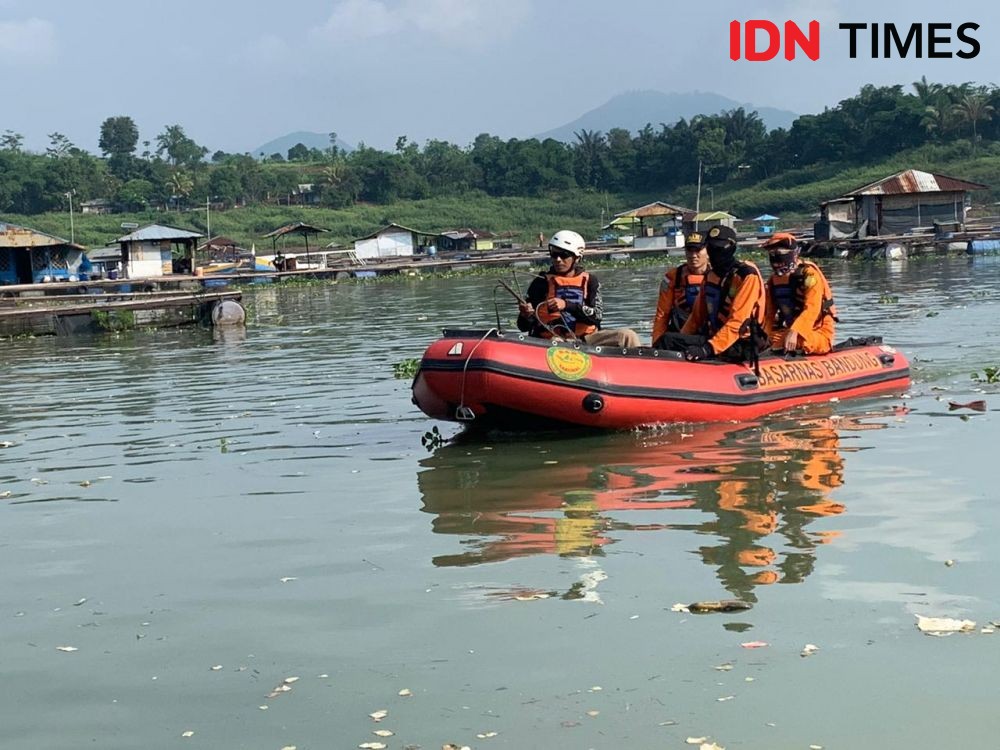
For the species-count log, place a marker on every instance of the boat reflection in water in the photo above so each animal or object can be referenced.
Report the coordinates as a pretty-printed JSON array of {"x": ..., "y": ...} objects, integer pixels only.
[{"x": 747, "y": 491}]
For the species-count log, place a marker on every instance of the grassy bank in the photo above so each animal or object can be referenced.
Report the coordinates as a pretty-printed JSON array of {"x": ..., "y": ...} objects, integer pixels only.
[{"x": 794, "y": 195}]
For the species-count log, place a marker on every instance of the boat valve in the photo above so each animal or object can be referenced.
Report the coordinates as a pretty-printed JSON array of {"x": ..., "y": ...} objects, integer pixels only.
[
  {"x": 593, "y": 402},
  {"x": 464, "y": 414}
]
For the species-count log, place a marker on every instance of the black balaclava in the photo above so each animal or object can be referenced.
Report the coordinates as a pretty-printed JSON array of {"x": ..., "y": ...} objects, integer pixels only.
[
  {"x": 722, "y": 256},
  {"x": 721, "y": 245}
]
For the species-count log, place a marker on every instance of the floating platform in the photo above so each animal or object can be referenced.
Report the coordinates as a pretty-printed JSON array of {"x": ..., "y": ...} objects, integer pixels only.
[{"x": 73, "y": 314}]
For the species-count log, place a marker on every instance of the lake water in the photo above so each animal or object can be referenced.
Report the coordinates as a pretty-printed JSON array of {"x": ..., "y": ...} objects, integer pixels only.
[{"x": 204, "y": 517}]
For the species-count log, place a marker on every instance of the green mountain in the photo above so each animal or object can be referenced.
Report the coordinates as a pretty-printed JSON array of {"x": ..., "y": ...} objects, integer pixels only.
[
  {"x": 635, "y": 109},
  {"x": 307, "y": 139}
]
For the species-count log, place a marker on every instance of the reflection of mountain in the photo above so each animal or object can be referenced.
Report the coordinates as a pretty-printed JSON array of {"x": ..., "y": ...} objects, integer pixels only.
[{"x": 757, "y": 486}]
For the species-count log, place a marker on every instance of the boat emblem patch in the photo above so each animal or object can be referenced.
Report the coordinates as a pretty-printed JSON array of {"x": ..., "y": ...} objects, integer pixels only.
[
  {"x": 455, "y": 350},
  {"x": 568, "y": 364}
]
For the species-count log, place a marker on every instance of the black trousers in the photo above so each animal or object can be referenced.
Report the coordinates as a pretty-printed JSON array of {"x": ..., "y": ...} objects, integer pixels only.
[{"x": 678, "y": 342}]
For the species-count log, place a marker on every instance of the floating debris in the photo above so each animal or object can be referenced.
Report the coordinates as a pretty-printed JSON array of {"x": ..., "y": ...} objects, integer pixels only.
[
  {"x": 725, "y": 698},
  {"x": 727, "y": 667},
  {"x": 290, "y": 680},
  {"x": 282, "y": 688},
  {"x": 453, "y": 746},
  {"x": 978, "y": 405},
  {"x": 216, "y": 668},
  {"x": 724, "y": 605},
  {"x": 372, "y": 746},
  {"x": 188, "y": 733},
  {"x": 592, "y": 713},
  {"x": 383, "y": 733},
  {"x": 943, "y": 625},
  {"x": 696, "y": 740},
  {"x": 754, "y": 644},
  {"x": 949, "y": 563},
  {"x": 679, "y": 608},
  {"x": 85, "y": 483},
  {"x": 379, "y": 715},
  {"x": 286, "y": 579},
  {"x": 405, "y": 693},
  {"x": 79, "y": 602},
  {"x": 67, "y": 649},
  {"x": 809, "y": 649},
  {"x": 486, "y": 735}
]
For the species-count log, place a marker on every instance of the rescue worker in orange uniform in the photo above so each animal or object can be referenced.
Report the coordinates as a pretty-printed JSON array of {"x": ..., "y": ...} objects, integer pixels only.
[
  {"x": 728, "y": 309},
  {"x": 679, "y": 288},
  {"x": 800, "y": 313},
  {"x": 566, "y": 301}
]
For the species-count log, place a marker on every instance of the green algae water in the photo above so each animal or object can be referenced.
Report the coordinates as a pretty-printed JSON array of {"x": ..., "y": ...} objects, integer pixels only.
[{"x": 242, "y": 541}]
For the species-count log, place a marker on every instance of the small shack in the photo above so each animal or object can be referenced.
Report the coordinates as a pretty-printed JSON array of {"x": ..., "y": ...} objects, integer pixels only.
[
  {"x": 107, "y": 261},
  {"x": 766, "y": 223},
  {"x": 158, "y": 250},
  {"x": 660, "y": 225},
  {"x": 898, "y": 204},
  {"x": 393, "y": 241},
  {"x": 708, "y": 219},
  {"x": 28, "y": 256},
  {"x": 467, "y": 240},
  {"x": 286, "y": 262}
]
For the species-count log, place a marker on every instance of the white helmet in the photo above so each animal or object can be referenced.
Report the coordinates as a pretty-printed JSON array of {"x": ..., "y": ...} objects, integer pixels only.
[{"x": 566, "y": 239}]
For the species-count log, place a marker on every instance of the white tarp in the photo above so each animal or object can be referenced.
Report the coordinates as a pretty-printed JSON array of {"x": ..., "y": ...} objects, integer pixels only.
[{"x": 393, "y": 244}]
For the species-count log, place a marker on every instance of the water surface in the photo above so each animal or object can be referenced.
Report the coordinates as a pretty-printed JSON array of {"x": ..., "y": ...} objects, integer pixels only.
[{"x": 263, "y": 503}]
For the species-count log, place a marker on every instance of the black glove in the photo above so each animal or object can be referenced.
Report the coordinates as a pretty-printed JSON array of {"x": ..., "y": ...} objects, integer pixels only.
[{"x": 698, "y": 352}]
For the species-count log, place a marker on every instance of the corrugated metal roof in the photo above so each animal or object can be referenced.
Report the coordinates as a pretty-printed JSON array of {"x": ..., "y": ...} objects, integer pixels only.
[
  {"x": 714, "y": 215},
  {"x": 390, "y": 227},
  {"x": 154, "y": 232},
  {"x": 915, "y": 181},
  {"x": 13, "y": 235},
  {"x": 467, "y": 234},
  {"x": 299, "y": 227},
  {"x": 102, "y": 254},
  {"x": 657, "y": 208}
]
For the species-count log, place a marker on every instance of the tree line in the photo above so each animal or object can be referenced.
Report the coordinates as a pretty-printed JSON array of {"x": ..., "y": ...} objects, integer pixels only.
[{"x": 173, "y": 171}]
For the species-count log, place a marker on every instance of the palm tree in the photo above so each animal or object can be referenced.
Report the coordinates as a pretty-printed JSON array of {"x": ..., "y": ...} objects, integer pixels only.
[
  {"x": 181, "y": 184},
  {"x": 926, "y": 92},
  {"x": 972, "y": 108}
]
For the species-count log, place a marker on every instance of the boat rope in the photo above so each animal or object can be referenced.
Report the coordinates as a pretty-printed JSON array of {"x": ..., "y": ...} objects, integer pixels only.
[{"x": 461, "y": 397}]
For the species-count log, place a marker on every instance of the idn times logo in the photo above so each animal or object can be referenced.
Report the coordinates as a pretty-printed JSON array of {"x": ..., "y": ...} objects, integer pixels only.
[{"x": 761, "y": 40}]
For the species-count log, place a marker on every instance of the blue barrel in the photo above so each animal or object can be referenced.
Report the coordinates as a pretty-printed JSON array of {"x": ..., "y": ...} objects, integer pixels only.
[{"x": 983, "y": 247}]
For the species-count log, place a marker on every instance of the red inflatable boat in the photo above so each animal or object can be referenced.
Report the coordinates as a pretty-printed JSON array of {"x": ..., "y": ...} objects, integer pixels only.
[{"x": 512, "y": 381}]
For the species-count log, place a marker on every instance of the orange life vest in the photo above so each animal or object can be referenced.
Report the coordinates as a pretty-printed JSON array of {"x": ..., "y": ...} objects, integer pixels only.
[
  {"x": 572, "y": 290},
  {"x": 788, "y": 294},
  {"x": 685, "y": 292},
  {"x": 719, "y": 297}
]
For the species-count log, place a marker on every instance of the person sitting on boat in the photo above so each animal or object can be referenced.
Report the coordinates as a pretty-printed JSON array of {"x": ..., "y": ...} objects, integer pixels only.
[
  {"x": 800, "y": 314},
  {"x": 726, "y": 319},
  {"x": 566, "y": 300},
  {"x": 679, "y": 288}
]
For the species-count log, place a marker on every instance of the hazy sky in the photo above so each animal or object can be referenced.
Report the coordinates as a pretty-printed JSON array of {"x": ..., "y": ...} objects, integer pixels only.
[{"x": 235, "y": 74}]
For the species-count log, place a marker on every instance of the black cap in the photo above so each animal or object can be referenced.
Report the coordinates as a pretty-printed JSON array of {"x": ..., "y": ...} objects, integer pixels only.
[{"x": 720, "y": 237}]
